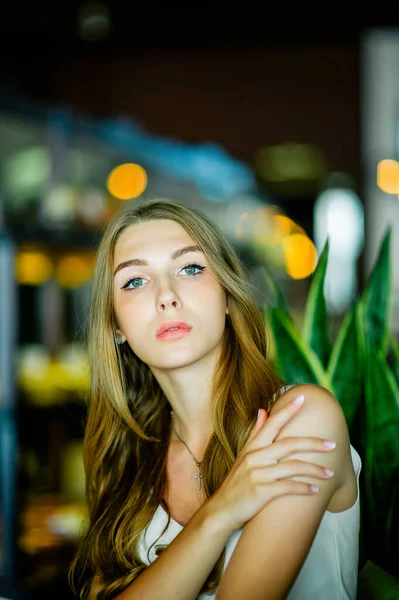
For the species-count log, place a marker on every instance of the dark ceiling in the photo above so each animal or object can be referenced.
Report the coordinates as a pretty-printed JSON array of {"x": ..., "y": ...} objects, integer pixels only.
[
  {"x": 315, "y": 92},
  {"x": 53, "y": 26}
]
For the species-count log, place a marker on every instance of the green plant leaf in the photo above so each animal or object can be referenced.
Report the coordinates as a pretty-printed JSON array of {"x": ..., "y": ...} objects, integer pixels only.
[
  {"x": 295, "y": 360},
  {"x": 376, "y": 584},
  {"x": 346, "y": 364},
  {"x": 377, "y": 297},
  {"x": 390, "y": 517},
  {"x": 394, "y": 355},
  {"x": 382, "y": 448},
  {"x": 278, "y": 296},
  {"x": 315, "y": 325}
]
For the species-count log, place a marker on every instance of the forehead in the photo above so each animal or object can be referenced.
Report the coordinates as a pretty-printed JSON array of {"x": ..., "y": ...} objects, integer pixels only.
[{"x": 149, "y": 237}]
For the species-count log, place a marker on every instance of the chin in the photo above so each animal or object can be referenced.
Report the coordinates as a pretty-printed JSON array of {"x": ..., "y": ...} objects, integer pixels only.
[
  {"x": 175, "y": 362},
  {"x": 170, "y": 359}
]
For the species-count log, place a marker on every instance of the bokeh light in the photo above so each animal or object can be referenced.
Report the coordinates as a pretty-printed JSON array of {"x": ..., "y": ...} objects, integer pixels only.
[
  {"x": 300, "y": 255},
  {"x": 277, "y": 240},
  {"x": 127, "y": 181},
  {"x": 270, "y": 227},
  {"x": 59, "y": 204},
  {"x": 290, "y": 161},
  {"x": 286, "y": 226},
  {"x": 339, "y": 217},
  {"x": 27, "y": 171},
  {"x": 93, "y": 21},
  {"x": 388, "y": 176},
  {"x": 32, "y": 267},
  {"x": 74, "y": 270}
]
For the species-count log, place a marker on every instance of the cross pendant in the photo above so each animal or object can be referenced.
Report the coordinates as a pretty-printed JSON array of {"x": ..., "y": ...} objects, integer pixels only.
[{"x": 198, "y": 477}]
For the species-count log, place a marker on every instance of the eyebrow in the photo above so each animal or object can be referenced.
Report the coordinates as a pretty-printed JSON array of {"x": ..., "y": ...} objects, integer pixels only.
[{"x": 140, "y": 262}]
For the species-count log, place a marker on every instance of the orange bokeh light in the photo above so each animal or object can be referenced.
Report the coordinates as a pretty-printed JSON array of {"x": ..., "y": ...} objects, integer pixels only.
[
  {"x": 286, "y": 226},
  {"x": 74, "y": 270},
  {"x": 388, "y": 176},
  {"x": 127, "y": 181},
  {"x": 300, "y": 255}
]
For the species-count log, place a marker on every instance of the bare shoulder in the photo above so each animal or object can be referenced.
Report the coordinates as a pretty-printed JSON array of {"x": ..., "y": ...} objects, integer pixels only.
[
  {"x": 320, "y": 407},
  {"x": 281, "y": 534},
  {"x": 321, "y": 416}
]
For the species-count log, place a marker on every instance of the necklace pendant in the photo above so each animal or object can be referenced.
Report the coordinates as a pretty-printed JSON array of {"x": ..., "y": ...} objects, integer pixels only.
[{"x": 198, "y": 477}]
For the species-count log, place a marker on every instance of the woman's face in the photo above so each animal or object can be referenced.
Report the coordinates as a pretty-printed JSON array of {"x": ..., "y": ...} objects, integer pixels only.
[{"x": 166, "y": 288}]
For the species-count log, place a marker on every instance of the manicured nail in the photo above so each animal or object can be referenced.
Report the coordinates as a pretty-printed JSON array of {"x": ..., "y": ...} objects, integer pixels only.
[
  {"x": 329, "y": 472},
  {"x": 299, "y": 399},
  {"x": 258, "y": 414},
  {"x": 329, "y": 444},
  {"x": 314, "y": 488}
]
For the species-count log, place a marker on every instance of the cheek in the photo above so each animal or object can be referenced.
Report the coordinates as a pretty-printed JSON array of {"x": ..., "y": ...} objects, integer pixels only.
[
  {"x": 129, "y": 315},
  {"x": 119, "y": 308},
  {"x": 209, "y": 292},
  {"x": 211, "y": 305}
]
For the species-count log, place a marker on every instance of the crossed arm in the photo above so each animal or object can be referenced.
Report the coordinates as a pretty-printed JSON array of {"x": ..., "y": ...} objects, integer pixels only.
[{"x": 274, "y": 544}]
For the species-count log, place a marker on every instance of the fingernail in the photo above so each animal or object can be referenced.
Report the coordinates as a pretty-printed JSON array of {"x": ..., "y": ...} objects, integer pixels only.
[
  {"x": 329, "y": 472},
  {"x": 329, "y": 444},
  {"x": 258, "y": 414},
  {"x": 299, "y": 399},
  {"x": 314, "y": 488}
]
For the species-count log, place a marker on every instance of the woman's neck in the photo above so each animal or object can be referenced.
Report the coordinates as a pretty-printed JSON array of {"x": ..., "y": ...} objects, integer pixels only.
[{"x": 196, "y": 439}]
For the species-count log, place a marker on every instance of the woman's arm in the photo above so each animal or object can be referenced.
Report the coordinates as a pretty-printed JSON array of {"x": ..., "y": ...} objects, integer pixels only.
[
  {"x": 275, "y": 542},
  {"x": 182, "y": 569}
]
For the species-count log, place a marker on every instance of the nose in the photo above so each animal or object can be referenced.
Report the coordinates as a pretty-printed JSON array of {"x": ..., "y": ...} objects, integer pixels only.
[
  {"x": 164, "y": 305},
  {"x": 167, "y": 297}
]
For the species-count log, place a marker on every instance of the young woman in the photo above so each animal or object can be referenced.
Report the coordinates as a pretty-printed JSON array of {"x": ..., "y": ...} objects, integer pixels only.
[{"x": 206, "y": 476}]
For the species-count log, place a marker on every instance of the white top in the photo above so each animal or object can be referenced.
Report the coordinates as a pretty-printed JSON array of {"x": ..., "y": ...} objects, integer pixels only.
[{"x": 330, "y": 570}]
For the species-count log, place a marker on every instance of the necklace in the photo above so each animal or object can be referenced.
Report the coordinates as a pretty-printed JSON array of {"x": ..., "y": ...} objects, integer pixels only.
[{"x": 198, "y": 477}]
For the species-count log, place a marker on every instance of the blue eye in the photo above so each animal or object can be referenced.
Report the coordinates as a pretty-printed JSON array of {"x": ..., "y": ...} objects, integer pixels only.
[
  {"x": 194, "y": 266},
  {"x": 129, "y": 285}
]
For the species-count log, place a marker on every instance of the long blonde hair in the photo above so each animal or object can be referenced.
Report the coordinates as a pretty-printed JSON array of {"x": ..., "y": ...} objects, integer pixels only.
[{"x": 127, "y": 431}]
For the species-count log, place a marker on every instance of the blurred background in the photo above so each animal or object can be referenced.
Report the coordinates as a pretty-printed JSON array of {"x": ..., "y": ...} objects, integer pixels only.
[{"x": 281, "y": 126}]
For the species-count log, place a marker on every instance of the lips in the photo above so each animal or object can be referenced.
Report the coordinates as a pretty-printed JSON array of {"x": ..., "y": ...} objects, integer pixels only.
[{"x": 173, "y": 324}]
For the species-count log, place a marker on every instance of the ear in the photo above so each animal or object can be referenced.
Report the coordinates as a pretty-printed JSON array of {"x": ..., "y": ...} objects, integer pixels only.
[{"x": 122, "y": 337}]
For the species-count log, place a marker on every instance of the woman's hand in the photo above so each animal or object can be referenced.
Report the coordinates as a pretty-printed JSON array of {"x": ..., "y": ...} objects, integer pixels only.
[{"x": 257, "y": 475}]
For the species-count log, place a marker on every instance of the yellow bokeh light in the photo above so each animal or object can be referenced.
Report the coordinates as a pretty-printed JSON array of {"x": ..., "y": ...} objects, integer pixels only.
[
  {"x": 286, "y": 226},
  {"x": 32, "y": 267},
  {"x": 271, "y": 227},
  {"x": 388, "y": 176},
  {"x": 300, "y": 255},
  {"x": 127, "y": 181},
  {"x": 283, "y": 224},
  {"x": 74, "y": 270}
]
